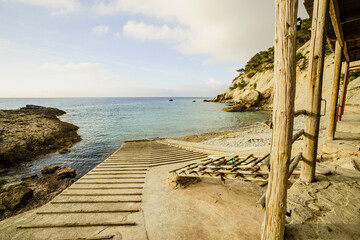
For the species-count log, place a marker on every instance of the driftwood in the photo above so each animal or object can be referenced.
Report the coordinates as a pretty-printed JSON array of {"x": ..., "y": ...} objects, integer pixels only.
[
  {"x": 246, "y": 169},
  {"x": 293, "y": 164},
  {"x": 297, "y": 135}
]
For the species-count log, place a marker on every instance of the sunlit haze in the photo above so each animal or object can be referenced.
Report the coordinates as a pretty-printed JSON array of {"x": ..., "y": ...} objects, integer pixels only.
[{"x": 129, "y": 48}]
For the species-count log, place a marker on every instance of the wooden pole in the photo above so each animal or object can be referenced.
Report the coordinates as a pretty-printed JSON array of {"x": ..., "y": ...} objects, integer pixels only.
[
  {"x": 283, "y": 117},
  {"x": 343, "y": 96},
  {"x": 315, "y": 75},
  {"x": 335, "y": 91}
]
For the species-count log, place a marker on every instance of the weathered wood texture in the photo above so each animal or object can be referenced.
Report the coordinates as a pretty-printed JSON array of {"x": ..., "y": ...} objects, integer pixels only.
[
  {"x": 293, "y": 165},
  {"x": 283, "y": 117},
  {"x": 314, "y": 89},
  {"x": 344, "y": 90},
  {"x": 335, "y": 91}
]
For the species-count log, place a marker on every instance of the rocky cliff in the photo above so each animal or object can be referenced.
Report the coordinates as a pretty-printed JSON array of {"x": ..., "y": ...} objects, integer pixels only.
[
  {"x": 254, "y": 89},
  {"x": 33, "y": 131}
]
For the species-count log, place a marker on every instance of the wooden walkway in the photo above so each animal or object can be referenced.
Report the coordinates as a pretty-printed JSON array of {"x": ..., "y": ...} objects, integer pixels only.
[{"x": 106, "y": 202}]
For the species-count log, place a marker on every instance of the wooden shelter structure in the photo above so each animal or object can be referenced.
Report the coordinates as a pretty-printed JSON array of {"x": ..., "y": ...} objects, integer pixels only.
[{"x": 333, "y": 20}]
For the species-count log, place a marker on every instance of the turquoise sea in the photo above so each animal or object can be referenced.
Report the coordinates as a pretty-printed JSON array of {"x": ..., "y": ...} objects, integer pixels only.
[{"x": 104, "y": 123}]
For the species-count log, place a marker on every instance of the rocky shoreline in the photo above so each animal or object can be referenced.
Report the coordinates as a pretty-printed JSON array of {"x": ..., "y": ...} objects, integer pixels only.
[
  {"x": 249, "y": 100},
  {"x": 33, "y": 131},
  {"x": 33, "y": 191}
]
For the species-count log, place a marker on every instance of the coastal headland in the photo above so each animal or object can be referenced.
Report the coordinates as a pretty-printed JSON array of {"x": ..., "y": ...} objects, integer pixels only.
[{"x": 33, "y": 131}]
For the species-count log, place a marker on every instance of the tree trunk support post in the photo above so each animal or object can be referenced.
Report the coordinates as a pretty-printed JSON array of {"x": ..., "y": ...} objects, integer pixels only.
[
  {"x": 283, "y": 118},
  {"x": 344, "y": 90},
  {"x": 335, "y": 92},
  {"x": 314, "y": 89}
]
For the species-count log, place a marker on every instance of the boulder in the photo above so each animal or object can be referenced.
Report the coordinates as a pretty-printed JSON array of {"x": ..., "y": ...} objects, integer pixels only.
[
  {"x": 267, "y": 93},
  {"x": 29, "y": 177},
  {"x": 251, "y": 96},
  {"x": 49, "y": 169},
  {"x": 175, "y": 181},
  {"x": 219, "y": 98},
  {"x": 2, "y": 209},
  {"x": 8, "y": 186},
  {"x": 235, "y": 108},
  {"x": 17, "y": 197},
  {"x": 65, "y": 172}
]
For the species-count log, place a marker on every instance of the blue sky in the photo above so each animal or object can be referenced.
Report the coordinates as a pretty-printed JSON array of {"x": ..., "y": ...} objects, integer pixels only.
[{"x": 128, "y": 48}]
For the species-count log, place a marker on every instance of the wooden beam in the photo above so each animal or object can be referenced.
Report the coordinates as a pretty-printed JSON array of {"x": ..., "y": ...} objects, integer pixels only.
[
  {"x": 350, "y": 19},
  {"x": 335, "y": 91},
  {"x": 334, "y": 14},
  {"x": 354, "y": 69},
  {"x": 346, "y": 54},
  {"x": 314, "y": 89},
  {"x": 343, "y": 95},
  {"x": 283, "y": 117},
  {"x": 355, "y": 66}
]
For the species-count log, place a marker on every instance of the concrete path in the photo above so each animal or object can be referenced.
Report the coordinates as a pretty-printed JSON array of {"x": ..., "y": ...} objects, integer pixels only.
[{"x": 106, "y": 203}]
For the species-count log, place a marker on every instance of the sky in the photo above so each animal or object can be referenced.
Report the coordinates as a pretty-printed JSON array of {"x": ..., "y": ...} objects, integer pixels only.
[{"x": 129, "y": 48}]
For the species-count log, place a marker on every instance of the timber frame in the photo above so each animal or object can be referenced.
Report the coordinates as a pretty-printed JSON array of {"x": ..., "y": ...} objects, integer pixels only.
[{"x": 339, "y": 23}]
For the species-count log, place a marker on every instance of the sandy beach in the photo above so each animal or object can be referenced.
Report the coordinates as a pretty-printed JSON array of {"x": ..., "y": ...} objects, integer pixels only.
[{"x": 212, "y": 209}]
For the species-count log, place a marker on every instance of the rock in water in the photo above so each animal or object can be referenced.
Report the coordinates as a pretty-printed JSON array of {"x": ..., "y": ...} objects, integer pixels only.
[
  {"x": 65, "y": 172},
  {"x": 16, "y": 197},
  {"x": 235, "y": 108},
  {"x": 33, "y": 131},
  {"x": 49, "y": 169}
]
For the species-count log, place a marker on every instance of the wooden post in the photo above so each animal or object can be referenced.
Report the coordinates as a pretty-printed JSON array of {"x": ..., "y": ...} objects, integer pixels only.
[
  {"x": 315, "y": 75},
  {"x": 283, "y": 118},
  {"x": 343, "y": 96},
  {"x": 335, "y": 91}
]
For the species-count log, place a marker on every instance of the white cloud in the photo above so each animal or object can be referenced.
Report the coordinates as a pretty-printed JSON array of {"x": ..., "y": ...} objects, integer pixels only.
[
  {"x": 58, "y": 6},
  {"x": 102, "y": 29},
  {"x": 142, "y": 31},
  {"x": 231, "y": 31},
  {"x": 211, "y": 83}
]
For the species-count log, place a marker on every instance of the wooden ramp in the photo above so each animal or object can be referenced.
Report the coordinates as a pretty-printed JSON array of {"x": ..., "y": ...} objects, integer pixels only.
[{"x": 106, "y": 202}]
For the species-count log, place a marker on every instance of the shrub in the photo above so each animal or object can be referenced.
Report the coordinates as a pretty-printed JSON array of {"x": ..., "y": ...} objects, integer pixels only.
[{"x": 251, "y": 74}]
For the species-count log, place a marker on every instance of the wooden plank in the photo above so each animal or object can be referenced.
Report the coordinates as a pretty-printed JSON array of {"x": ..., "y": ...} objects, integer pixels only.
[
  {"x": 283, "y": 117},
  {"x": 346, "y": 54},
  {"x": 343, "y": 95},
  {"x": 335, "y": 91},
  {"x": 334, "y": 14},
  {"x": 314, "y": 89}
]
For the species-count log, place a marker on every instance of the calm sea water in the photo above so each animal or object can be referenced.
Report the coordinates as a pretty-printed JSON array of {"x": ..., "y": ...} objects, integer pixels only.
[{"x": 106, "y": 122}]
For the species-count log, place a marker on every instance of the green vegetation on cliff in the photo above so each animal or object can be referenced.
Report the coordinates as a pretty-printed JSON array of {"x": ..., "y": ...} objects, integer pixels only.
[{"x": 264, "y": 60}]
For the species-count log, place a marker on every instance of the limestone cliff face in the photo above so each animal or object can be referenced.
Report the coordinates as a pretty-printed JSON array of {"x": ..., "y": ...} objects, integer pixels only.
[{"x": 264, "y": 83}]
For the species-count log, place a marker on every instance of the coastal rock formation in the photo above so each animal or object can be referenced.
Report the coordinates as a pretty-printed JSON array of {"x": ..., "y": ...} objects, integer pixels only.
[
  {"x": 251, "y": 97},
  {"x": 49, "y": 169},
  {"x": 65, "y": 172},
  {"x": 33, "y": 191},
  {"x": 33, "y": 131},
  {"x": 16, "y": 197}
]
